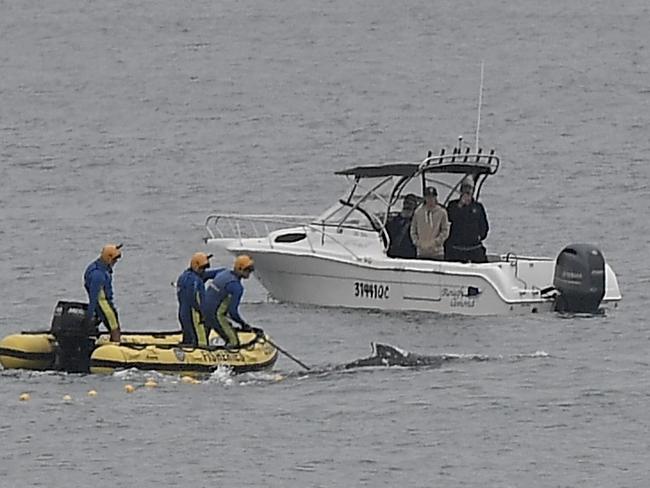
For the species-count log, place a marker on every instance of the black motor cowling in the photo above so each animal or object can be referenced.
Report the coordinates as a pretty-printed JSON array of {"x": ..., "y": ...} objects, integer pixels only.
[
  {"x": 579, "y": 279},
  {"x": 75, "y": 337}
]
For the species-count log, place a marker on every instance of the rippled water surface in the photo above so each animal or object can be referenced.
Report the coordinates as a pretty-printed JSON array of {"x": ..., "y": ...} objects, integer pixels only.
[{"x": 132, "y": 121}]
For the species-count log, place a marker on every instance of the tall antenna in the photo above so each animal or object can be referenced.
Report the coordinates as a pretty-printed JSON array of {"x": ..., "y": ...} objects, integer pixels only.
[{"x": 480, "y": 102}]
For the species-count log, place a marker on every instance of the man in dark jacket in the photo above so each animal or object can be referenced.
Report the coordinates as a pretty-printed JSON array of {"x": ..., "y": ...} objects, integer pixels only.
[
  {"x": 469, "y": 227},
  {"x": 399, "y": 230}
]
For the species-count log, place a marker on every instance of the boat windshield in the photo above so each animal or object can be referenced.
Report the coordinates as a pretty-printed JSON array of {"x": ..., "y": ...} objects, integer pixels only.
[
  {"x": 371, "y": 201},
  {"x": 364, "y": 206}
]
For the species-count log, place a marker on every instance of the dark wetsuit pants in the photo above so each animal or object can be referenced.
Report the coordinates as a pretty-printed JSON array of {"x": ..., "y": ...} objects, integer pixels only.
[{"x": 216, "y": 318}]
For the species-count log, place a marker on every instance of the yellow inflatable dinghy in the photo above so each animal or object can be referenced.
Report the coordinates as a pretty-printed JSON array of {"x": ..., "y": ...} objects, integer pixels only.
[{"x": 69, "y": 346}]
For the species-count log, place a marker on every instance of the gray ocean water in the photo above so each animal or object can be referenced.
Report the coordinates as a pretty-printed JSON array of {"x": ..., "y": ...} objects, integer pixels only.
[{"x": 132, "y": 121}]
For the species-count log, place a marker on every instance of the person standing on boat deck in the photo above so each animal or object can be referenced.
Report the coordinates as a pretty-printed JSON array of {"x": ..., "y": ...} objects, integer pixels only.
[
  {"x": 98, "y": 282},
  {"x": 222, "y": 299},
  {"x": 190, "y": 291},
  {"x": 469, "y": 227},
  {"x": 430, "y": 227},
  {"x": 399, "y": 230}
]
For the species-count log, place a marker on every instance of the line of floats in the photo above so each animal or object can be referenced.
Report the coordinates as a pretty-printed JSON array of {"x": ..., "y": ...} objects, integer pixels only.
[{"x": 69, "y": 347}]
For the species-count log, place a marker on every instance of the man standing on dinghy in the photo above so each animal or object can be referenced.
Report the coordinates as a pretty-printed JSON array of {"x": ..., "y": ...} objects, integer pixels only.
[
  {"x": 98, "y": 282},
  {"x": 190, "y": 291},
  {"x": 222, "y": 299}
]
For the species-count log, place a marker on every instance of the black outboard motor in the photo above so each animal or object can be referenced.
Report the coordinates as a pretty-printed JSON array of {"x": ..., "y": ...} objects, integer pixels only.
[
  {"x": 579, "y": 278},
  {"x": 75, "y": 337}
]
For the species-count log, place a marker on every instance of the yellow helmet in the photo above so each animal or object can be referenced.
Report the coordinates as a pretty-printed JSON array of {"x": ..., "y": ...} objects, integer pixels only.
[
  {"x": 243, "y": 263},
  {"x": 200, "y": 261},
  {"x": 111, "y": 253}
]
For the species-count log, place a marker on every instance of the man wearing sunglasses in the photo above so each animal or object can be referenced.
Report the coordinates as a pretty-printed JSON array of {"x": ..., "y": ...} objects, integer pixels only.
[
  {"x": 190, "y": 291},
  {"x": 222, "y": 299},
  {"x": 98, "y": 282}
]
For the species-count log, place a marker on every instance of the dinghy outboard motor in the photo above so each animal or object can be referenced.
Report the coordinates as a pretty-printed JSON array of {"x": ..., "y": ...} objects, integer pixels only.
[
  {"x": 74, "y": 336},
  {"x": 579, "y": 279}
]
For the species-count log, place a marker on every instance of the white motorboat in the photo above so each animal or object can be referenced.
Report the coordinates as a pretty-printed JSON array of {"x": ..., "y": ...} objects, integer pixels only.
[{"x": 340, "y": 257}]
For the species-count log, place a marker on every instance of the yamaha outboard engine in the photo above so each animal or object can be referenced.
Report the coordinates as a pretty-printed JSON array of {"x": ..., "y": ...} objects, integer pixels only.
[
  {"x": 75, "y": 337},
  {"x": 579, "y": 279}
]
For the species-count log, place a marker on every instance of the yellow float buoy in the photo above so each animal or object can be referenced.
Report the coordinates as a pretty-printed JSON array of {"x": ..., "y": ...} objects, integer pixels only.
[
  {"x": 151, "y": 383},
  {"x": 67, "y": 398},
  {"x": 129, "y": 388},
  {"x": 92, "y": 393},
  {"x": 24, "y": 397},
  {"x": 187, "y": 379}
]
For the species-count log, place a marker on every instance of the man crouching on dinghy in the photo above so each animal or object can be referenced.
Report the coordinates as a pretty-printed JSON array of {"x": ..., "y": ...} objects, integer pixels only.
[
  {"x": 190, "y": 291},
  {"x": 222, "y": 299},
  {"x": 98, "y": 282}
]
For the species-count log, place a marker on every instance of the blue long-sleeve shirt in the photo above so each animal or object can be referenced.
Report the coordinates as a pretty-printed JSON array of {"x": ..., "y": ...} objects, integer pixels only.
[
  {"x": 190, "y": 292},
  {"x": 98, "y": 282},
  {"x": 225, "y": 284}
]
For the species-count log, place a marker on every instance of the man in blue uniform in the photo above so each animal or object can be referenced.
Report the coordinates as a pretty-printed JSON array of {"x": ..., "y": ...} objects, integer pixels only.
[
  {"x": 190, "y": 291},
  {"x": 98, "y": 282},
  {"x": 222, "y": 299}
]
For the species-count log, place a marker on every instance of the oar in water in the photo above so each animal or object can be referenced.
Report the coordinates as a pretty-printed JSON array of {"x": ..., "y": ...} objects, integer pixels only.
[
  {"x": 293, "y": 358},
  {"x": 286, "y": 353}
]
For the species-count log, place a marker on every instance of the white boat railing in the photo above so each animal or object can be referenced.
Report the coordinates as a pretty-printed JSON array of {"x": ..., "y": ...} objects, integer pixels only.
[
  {"x": 233, "y": 222},
  {"x": 258, "y": 226}
]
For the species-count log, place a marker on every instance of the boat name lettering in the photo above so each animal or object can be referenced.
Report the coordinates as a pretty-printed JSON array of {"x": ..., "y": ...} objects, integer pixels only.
[
  {"x": 211, "y": 356},
  {"x": 453, "y": 292},
  {"x": 462, "y": 302},
  {"x": 371, "y": 290},
  {"x": 458, "y": 297}
]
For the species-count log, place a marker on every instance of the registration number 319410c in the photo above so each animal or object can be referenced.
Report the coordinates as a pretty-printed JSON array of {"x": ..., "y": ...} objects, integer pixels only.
[{"x": 371, "y": 290}]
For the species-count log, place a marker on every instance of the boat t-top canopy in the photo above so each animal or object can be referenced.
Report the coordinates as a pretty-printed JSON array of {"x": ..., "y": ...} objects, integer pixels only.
[
  {"x": 381, "y": 170},
  {"x": 455, "y": 163}
]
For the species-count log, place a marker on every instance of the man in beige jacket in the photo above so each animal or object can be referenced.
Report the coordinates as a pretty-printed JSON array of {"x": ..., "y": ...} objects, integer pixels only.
[{"x": 430, "y": 227}]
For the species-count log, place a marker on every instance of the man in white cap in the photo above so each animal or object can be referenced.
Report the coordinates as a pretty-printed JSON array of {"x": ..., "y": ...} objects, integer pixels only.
[{"x": 430, "y": 227}]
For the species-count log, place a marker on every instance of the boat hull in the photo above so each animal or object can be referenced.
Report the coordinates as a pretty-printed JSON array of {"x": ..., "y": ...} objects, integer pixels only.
[
  {"x": 159, "y": 351},
  {"x": 170, "y": 358},
  {"x": 504, "y": 287},
  {"x": 27, "y": 351}
]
